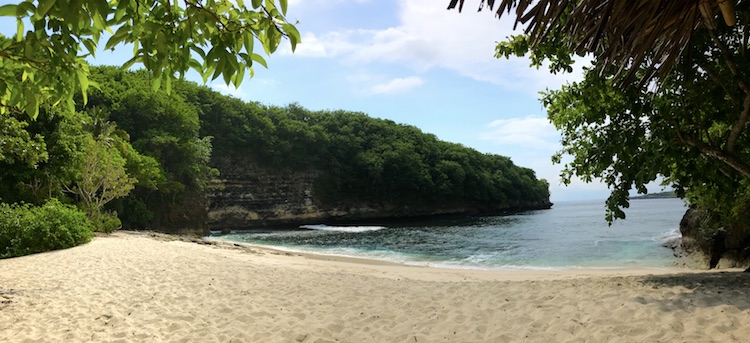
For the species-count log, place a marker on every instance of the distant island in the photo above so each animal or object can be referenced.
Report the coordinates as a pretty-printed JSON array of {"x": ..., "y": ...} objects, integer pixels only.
[{"x": 660, "y": 195}]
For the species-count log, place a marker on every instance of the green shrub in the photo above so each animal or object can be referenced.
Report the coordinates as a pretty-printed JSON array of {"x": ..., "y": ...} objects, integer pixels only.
[
  {"x": 105, "y": 222},
  {"x": 27, "y": 229}
]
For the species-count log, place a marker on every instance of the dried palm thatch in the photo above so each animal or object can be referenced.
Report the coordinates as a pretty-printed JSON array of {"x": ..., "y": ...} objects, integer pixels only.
[{"x": 625, "y": 34}]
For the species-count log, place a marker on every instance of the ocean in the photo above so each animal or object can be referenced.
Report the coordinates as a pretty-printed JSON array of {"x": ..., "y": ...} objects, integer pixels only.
[{"x": 570, "y": 235}]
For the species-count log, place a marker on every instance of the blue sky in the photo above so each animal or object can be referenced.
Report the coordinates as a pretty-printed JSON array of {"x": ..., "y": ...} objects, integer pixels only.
[{"x": 414, "y": 62}]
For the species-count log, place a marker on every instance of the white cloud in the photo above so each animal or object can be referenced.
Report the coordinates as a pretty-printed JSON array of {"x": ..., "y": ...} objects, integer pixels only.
[
  {"x": 297, "y": 3},
  {"x": 531, "y": 132},
  {"x": 530, "y": 141},
  {"x": 310, "y": 47},
  {"x": 222, "y": 88},
  {"x": 397, "y": 85},
  {"x": 429, "y": 36},
  {"x": 365, "y": 82}
]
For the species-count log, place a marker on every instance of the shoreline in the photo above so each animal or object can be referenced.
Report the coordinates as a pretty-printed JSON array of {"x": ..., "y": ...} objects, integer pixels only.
[
  {"x": 679, "y": 264},
  {"x": 425, "y": 272},
  {"x": 133, "y": 287}
]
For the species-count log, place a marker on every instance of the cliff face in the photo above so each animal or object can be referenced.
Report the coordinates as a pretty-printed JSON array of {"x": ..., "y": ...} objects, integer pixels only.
[
  {"x": 250, "y": 196},
  {"x": 707, "y": 244},
  {"x": 186, "y": 218}
]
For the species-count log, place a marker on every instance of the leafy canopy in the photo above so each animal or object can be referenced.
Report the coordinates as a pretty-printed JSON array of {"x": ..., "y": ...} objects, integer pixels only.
[
  {"x": 44, "y": 62},
  {"x": 689, "y": 127}
]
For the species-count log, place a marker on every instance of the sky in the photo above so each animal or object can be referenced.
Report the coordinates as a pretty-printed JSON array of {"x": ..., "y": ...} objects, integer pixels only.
[{"x": 416, "y": 63}]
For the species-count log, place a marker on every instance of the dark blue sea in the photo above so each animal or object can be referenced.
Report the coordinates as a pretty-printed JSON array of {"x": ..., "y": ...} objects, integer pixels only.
[{"x": 570, "y": 235}]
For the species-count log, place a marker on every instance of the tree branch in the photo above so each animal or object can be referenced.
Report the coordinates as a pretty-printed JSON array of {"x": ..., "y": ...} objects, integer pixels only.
[
  {"x": 718, "y": 154},
  {"x": 745, "y": 32},
  {"x": 728, "y": 60},
  {"x": 739, "y": 125},
  {"x": 716, "y": 78}
]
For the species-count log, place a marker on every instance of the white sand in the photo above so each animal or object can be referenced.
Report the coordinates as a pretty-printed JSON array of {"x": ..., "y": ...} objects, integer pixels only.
[{"x": 136, "y": 288}]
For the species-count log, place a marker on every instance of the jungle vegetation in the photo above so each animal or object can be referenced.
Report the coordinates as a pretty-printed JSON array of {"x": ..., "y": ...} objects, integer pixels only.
[{"x": 141, "y": 158}]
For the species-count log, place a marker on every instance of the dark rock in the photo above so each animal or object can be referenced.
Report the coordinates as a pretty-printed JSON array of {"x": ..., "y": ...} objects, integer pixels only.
[{"x": 711, "y": 244}]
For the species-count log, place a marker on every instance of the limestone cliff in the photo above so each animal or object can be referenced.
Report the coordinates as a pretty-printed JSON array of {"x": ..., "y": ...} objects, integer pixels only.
[
  {"x": 707, "y": 244},
  {"x": 250, "y": 196}
]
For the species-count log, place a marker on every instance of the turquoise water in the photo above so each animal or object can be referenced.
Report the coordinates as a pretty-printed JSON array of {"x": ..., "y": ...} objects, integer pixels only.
[{"x": 570, "y": 235}]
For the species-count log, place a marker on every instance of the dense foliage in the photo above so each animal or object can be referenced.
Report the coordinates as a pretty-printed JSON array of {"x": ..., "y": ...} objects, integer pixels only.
[
  {"x": 358, "y": 158},
  {"x": 168, "y": 159},
  {"x": 689, "y": 127},
  {"x": 44, "y": 62},
  {"x": 145, "y": 156},
  {"x": 27, "y": 229},
  {"x": 82, "y": 157},
  {"x": 361, "y": 158}
]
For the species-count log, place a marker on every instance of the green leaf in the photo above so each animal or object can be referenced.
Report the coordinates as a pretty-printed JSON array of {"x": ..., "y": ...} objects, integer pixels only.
[
  {"x": 219, "y": 69},
  {"x": 239, "y": 76},
  {"x": 168, "y": 84},
  {"x": 83, "y": 81},
  {"x": 122, "y": 33},
  {"x": 228, "y": 73},
  {"x": 24, "y": 9},
  {"x": 259, "y": 59},
  {"x": 249, "y": 42},
  {"x": 257, "y": 3},
  {"x": 44, "y": 7},
  {"x": 198, "y": 51},
  {"x": 8, "y": 10},
  {"x": 120, "y": 11},
  {"x": 195, "y": 65},
  {"x": 32, "y": 105},
  {"x": 129, "y": 63},
  {"x": 161, "y": 41},
  {"x": 19, "y": 30},
  {"x": 283, "y": 4},
  {"x": 292, "y": 33},
  {"x": 156, "y": 84},
  {"x": 90, "y": 46}
]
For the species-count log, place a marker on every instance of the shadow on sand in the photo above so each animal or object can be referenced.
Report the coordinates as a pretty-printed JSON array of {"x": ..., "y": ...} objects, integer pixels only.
[{"x": 712, "y": 289}]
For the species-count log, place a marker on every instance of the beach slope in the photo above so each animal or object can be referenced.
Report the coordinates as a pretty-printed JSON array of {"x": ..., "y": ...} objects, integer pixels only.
[{"x": 131, "y": 287}]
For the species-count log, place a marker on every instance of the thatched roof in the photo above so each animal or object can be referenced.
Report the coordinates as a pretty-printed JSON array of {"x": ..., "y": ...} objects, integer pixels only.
[{"x": 622, "y": 33}]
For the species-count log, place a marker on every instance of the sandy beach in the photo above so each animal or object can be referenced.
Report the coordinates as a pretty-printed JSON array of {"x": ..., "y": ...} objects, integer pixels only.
[{"x": 131, "y": 287}]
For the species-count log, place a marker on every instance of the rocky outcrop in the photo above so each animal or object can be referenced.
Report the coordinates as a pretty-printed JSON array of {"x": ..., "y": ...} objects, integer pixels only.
[
  {"x": 707, "y": 244},
  {"x": 186, "y": 216},
  {"x": 251, "y": 196}
]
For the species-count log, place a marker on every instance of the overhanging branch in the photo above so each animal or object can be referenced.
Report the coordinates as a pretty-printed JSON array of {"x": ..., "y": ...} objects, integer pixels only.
[
  {"x": 722, "y": 156},
  {"x": 739, "y": 125}
]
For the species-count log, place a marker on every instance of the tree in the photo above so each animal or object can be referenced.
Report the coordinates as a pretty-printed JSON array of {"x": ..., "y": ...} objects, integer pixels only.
[
  {"x": 624, "y": 34},
  {"x": 103, "y": 177},
  {"x": 49, "y": 151},
  {"x": 168, "y": 157},
  {"x": 686, "y": 119},
  {"x": 44, "y": 63}
]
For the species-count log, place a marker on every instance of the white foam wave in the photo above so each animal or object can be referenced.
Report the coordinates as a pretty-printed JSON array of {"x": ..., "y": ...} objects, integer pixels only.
[
  {"x": 505, "y": 267},
  {"x": 669, "y": 236},
  {"x": 342, "y": 228}
]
